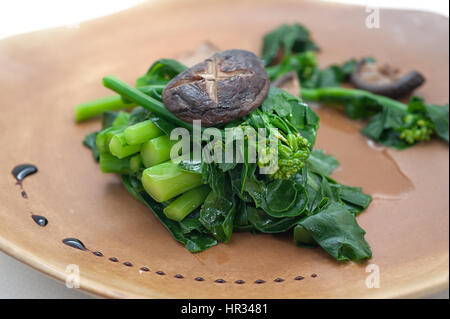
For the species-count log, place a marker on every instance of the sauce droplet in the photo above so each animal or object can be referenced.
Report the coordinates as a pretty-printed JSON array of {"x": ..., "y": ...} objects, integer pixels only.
[
  {"x": 40, "y": 220},
  {"x": 74, "y": 243},
  {"x": 279, "y": 280},
  {"x": 21, "y": 171},
  {"x": 98, "y": 254}
]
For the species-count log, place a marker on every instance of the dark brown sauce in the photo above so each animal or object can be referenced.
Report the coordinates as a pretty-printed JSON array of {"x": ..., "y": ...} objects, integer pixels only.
[
  {"x": 23, "y": 170},
  {"x": 74, "y": 243},
  {"x": 40, "y": 220},
  {"x": 278, "y": 280},
  {"x": 20, "y": 172},
  {"x": 78, "y": 244}
]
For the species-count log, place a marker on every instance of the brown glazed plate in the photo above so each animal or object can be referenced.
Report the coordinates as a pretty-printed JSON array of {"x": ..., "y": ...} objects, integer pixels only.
[{"x": 44, "y": 74}]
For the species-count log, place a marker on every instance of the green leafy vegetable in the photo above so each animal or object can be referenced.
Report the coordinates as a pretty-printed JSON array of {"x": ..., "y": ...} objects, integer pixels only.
[
  {"x": 310, "y": 75},
  {"x": 321, "y": 163},
  {"x": 161, "y": 72},
  {"x": 335, "y": 229},
  {"x": 392, "y": 123},
  {"x": 89, "y": 142},
  {"x": 217, "y": 215},
  {"x": 287, "y": 38}
]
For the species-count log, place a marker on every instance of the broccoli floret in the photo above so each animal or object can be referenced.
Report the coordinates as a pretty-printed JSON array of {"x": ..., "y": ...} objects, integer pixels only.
[
  {"x": 292, "y": 149},
  {"x": 292, "y": 156},
  {"x": 417, "y": 128}
]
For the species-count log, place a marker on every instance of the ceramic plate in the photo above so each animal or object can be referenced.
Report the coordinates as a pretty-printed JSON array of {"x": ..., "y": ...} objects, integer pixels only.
[{"x": 44, "y": 74}]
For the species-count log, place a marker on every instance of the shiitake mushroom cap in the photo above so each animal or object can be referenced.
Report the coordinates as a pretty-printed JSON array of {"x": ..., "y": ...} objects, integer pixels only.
[
  {"x": 224, "y": 87},
  {"x": 399, "y": 88}
]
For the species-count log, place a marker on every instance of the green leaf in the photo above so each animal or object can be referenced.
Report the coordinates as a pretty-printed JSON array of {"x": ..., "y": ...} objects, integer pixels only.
[
  {"x": 321, "y": 163},
  {"x": 268, "y": 224},
  {"x": 241, "y": 221},
  {"x": 284, "y": 198},
  {"x": 190, "y": 233},
  {"x": 161, "y": 72},
  {"x": 277, "y": 101},
  {"x": 280, "y": 195},
  {"x": 439, "y": 115},
  {"x": 217, "y": 215},
  {"x": 353, "y": 197},
  {"x": 138, "y": 114},
  {"x": 288, "y": 38},
  {"x": 335, "y": 229},
  {"x": 89, "y": 141},
  {"x": 108, "y": 118}
]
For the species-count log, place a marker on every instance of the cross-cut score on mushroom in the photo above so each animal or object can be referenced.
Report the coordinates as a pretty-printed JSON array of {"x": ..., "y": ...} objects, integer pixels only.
[
  {"x": 214, "y": 74},
  {"x": 222, "y": 88}
]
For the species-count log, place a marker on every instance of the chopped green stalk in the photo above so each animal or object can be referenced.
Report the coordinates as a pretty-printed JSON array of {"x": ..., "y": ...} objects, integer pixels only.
[
  {"x": 156, "y": 150},
  {"x": 94, "y": 108},
  {"x": 302, "y": 236},
  {"x": 135, "y": 163},
  {"x": 104, "y": 138},
  {"x": 111, "y": 164},
  {"x": 119, "y": 148},
  {"x": 141, "y": 132},
  {"x": 186, "y": 203},
  {"x": 165, "y": 181},
  {"x": 136, "y": 96}
]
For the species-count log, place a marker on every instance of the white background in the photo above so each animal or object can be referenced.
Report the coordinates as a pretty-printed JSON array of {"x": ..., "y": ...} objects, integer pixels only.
[{"x": 17, "y": 16}]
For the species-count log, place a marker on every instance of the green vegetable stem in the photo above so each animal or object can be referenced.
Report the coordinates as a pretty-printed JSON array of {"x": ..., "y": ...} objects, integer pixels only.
[
  {"x": 165, "y": 181},
  {"x": 96, "y": 107},
  {"x": 392, "y": 123},
  {"x": 187, "y": 203}
]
